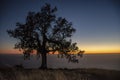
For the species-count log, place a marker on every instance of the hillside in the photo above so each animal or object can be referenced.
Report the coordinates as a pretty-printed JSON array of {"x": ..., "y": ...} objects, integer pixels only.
[{"x": 59, "y": 74}]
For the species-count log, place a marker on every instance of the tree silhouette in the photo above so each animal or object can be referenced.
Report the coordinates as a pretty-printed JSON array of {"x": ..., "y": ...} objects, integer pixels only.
[{"x": 45, "y": 33}]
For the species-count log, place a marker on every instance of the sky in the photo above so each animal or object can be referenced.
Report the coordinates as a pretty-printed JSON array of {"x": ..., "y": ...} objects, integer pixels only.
[{"x": 97, "y": 22}]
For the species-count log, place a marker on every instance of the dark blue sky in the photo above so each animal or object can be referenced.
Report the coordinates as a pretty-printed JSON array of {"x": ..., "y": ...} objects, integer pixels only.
[{"x": 97, "y": 21}]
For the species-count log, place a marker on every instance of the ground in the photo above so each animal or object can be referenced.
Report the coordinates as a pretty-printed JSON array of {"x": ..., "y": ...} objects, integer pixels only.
[{"x": 58, "y": 74}]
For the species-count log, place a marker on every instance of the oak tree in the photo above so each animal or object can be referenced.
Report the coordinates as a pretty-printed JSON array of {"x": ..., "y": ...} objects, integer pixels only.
[{"x": 46, "y": 33}]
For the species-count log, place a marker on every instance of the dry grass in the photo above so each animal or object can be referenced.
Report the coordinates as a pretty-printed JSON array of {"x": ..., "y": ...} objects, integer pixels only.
[{"x": 59, "y": 74}]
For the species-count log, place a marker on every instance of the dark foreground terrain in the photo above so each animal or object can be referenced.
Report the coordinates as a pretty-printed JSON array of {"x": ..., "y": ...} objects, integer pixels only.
[{"x": 58, "y": 74}]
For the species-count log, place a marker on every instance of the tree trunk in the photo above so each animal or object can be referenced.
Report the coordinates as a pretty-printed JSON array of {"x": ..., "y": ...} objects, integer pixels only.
[
  {"x": 44, "y": 61},
  {"x": 44, "y": 53}
]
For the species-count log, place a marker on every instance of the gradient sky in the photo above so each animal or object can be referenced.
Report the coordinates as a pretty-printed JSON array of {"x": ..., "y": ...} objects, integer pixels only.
[{"x": 97, "y": 22}]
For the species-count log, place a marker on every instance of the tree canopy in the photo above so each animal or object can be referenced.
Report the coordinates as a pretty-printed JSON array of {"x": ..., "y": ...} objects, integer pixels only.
[{"x": 46, "y": 33}]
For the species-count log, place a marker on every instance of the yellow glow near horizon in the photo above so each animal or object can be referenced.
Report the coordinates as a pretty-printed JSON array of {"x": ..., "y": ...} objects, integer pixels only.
[
  {"x": 101, "y": 49},
  {"x": 91, "y": 50}
]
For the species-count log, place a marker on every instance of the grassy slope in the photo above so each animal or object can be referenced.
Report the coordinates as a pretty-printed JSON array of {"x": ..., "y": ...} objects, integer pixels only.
[{"x": 59, "y": 74}]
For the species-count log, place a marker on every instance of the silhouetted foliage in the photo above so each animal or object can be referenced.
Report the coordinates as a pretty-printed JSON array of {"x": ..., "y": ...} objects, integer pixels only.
[{"x": 45, "y": 33}]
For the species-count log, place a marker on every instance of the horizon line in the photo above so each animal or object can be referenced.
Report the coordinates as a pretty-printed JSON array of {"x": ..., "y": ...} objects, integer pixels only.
[{"x": 53, "y": 54}]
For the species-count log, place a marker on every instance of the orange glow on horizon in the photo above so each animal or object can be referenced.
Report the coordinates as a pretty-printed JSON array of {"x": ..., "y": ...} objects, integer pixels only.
[
  {"x": 101, "y": 49},
  {"x": 88, "y": 50},
  {"x": 101, "y": 52},
  {"x": 10, "y": 51}
]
